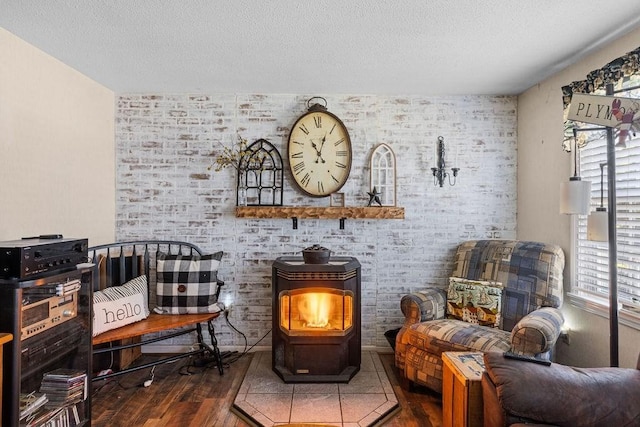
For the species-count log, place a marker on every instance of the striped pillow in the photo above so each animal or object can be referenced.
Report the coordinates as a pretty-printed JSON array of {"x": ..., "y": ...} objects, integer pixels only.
[{"x": 118, "y": 306}]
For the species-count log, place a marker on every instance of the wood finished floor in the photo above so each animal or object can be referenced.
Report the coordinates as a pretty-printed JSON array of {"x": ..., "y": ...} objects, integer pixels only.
[{"x": 183, "y": 395}]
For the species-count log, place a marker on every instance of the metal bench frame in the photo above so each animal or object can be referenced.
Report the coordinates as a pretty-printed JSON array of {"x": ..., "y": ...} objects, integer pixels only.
[{"x": 117, "y": 254}]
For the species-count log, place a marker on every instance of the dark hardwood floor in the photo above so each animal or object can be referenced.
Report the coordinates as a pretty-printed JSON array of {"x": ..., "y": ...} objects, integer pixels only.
[{"x": 184, "y": 395}]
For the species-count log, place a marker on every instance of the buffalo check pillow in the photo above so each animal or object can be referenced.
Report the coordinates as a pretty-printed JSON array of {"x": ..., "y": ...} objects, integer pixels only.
[{"x": 187, "y": 284}]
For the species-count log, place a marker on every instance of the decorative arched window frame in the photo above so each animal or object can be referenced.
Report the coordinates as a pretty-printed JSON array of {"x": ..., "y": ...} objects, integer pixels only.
[
  {"x": 260, "y": 176},
  {"x": 382, "y": 169}
]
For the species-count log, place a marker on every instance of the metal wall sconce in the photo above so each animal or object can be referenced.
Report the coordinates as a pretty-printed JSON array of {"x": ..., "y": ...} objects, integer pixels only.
[
  {"x": 598, "y": 221},
  {"x": 440, "y": 173}
]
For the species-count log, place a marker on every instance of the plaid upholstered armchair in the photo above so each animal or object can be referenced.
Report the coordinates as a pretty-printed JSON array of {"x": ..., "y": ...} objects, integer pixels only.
[{"x": 524, "y": 283}]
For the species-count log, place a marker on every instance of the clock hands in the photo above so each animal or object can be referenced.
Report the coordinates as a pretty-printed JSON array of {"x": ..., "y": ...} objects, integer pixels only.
[
  {"x": 315, "y": 147},
  {"x": 319, "y": 151}
]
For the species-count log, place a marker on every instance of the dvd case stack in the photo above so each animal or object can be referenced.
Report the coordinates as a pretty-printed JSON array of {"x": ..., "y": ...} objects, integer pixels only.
[{"x": 60, "y": 401}]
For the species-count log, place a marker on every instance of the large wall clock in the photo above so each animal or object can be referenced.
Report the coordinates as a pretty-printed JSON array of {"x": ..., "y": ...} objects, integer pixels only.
[{"x": 319, "y": 151}]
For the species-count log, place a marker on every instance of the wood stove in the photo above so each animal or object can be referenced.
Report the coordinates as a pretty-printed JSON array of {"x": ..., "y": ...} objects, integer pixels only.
[{"x": 316, "y": 320}]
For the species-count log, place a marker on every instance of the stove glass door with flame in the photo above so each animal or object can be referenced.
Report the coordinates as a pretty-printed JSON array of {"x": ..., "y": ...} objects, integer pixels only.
[{"x": 320, "y": 311}]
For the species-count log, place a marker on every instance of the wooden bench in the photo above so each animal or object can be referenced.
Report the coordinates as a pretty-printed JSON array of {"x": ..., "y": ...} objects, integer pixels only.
[{"x": 120, "y": 262}]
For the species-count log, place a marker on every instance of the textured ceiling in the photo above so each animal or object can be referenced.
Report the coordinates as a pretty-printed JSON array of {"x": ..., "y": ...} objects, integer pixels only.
[{"x": 422, "y": 47}]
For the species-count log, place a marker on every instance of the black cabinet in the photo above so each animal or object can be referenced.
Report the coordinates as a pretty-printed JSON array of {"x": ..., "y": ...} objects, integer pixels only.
[{"x": 50, "y": 319}]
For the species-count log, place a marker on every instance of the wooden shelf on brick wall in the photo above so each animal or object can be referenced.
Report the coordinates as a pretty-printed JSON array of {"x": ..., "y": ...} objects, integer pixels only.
[
  {"x": 372, "y": 212},
  {"x": 312, "y": 212}
]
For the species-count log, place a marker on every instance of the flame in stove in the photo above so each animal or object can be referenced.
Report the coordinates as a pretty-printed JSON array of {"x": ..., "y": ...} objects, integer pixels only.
[{"x": 314, "y": 309}]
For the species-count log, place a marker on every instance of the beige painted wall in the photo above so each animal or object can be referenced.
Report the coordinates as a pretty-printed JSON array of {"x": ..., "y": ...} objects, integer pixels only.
[
  {"x": 542, "y": 165},
  {"x": 56, "y": 148}
]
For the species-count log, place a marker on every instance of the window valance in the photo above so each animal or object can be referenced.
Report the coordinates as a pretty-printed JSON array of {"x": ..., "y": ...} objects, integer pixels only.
[{"x": 613, "y": 72}]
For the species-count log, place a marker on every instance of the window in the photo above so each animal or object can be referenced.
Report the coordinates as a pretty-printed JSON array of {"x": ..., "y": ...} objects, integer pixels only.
[
  {"x": 383, "y": 174},
  {"x": 592, "y": 263}
]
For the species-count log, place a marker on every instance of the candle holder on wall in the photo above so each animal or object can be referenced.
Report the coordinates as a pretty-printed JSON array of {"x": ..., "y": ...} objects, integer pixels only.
[
  {"x": 440, "y": 173},
  {"x": 260, "y": 176}
]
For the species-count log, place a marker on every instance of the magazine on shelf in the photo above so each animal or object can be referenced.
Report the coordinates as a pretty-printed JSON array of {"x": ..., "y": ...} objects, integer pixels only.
[
  {"x": 30, "y": 403},
  {"x": 64, "y": 416}
]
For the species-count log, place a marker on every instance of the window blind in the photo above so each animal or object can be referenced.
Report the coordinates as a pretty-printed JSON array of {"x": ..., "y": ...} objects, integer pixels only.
[{"x": 593, "y": 257}]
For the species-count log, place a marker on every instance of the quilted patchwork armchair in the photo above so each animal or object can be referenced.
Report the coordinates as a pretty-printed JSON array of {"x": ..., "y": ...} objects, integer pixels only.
[{"x": 530, "y": 278}]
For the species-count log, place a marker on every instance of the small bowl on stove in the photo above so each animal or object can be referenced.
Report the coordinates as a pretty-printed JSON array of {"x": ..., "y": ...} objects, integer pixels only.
[{"x": 316, "y": 254}]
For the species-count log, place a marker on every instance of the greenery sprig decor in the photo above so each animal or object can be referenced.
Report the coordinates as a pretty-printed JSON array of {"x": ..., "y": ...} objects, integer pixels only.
[{"x": 230, "y": 156}]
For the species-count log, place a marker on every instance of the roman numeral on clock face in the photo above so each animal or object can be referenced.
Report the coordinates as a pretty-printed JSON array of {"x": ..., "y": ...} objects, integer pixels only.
[
  {"x": 320, "y": 187},
  {"x": 305, "y": 180},
  {"x": 340, "y": 165},
  {"x": 304, "y": 129},
  {"x": 341, "y": 153},
  {"x": 298, "y": 167},
  {"x": 297, "y": 155},
  {"x": 318, "y": 121},
  {"x": 338, "y": 142}
]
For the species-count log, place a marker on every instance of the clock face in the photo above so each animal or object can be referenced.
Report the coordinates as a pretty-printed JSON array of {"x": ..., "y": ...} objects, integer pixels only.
[{"x": 319, "y": 153}]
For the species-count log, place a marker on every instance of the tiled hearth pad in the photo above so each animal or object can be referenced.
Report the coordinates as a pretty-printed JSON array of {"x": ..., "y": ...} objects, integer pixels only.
[{"x": 265, "y": 400}]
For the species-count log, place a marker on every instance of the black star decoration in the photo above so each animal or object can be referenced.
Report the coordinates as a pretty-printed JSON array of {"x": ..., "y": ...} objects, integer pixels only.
[{"x": 374, "y": 196}]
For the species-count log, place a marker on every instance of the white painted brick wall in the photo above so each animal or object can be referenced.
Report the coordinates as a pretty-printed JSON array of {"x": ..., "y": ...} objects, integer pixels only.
[{"x": 165, "y": 144}]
